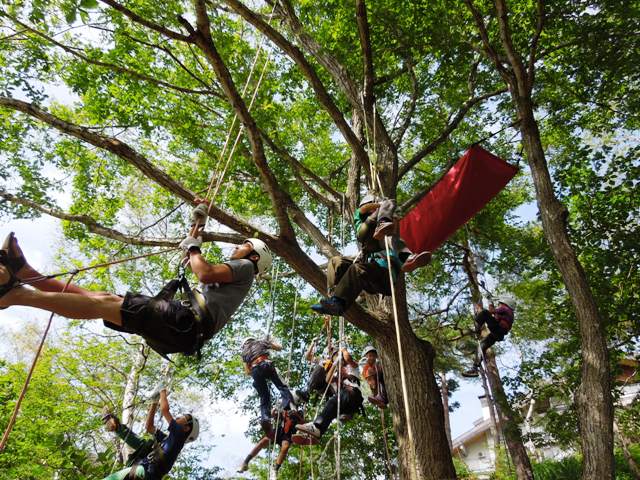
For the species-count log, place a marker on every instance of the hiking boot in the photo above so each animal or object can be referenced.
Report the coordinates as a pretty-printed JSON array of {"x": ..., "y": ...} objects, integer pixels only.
[
  {"x": 378, "y": 401},
  {"x": 300, "y": 397},
  {"x": 244, "y": 466},
  {"x": 303, "y": 439},
  {"x": 110, "y": 420},
  {"x": 416, "y": 260},
  {"x": 383, "y": 229},
  {"x": 11, "y": 251},
  {"x": 471, "y": 373},
  {"x": 309, "y": 429},
  {"x": 329, "y": 306},
  {"x": 345, "y": 417}
]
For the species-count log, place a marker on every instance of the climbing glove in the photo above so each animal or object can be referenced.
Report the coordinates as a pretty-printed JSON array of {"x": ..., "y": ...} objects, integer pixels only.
[
  {"x": 191, "y": 242},
  {"x": 199, "y": 214}
]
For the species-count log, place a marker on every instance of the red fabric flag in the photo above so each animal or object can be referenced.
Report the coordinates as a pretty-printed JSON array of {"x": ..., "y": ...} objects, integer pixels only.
[{"x": 463, "y": 191}]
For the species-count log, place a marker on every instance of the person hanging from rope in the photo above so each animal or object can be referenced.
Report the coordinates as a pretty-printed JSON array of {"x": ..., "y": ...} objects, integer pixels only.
[
  {"x": 258, "y": 364},
  {"x": 499, "y": 322},
  {"x": 350, "y": 399},
  {"x": 348, "y": 277},
  {"x": 321, "y": 365},
  {"x": 374, "y": 219},
  {"x": 286, "y": 420},
  {"x": 167, "y": 325},
  {"x": 372, "y": 373},
  {"x": 151, "y": 460}
]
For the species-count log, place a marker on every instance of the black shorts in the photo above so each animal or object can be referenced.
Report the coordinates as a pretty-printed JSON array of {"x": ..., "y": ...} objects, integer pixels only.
[{"x": 166, "y": 325}]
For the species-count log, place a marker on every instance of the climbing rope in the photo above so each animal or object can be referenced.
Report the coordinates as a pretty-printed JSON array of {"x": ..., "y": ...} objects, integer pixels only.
[
  {"x": 16, "y": 408},
  {"x": 340, "y": 360},
  {"x": 405, "y": 397}
]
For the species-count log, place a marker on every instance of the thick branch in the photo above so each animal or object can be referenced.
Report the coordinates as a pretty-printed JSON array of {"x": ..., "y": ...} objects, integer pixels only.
[
  {"x": 444, "y": 135},
  {"x": 534, "y": 42},
  {"x": 367, "y": 59},
  {"x": 507, "y": 43},
  {"x": 308, "y": 71},
  {"x": 413, "y": 101},
  {"x": 131, "y": 156},
  {"x": 279, "y": 198},
  {"x": 147, "y": 23}
]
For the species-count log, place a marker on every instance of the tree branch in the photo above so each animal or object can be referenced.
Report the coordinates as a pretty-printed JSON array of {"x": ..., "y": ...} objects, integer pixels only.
[
  {"x": 444, "y": 135},
  {"x": 94, "y": 227},
  {"x": 112, "y": 66},
  {"x": 412, "y": 107},
  {"x": 147, "y": 23},
  {"x": 534, "y": 42},
  {"x": 308, "y": 71},
  {"x": 514, "y": 58},
  {"x": 367, "y": 58},
  {"x": 131, "y": 156}
]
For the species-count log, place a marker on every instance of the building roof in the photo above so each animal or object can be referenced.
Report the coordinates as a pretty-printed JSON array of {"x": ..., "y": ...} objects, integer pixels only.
[{"x": 478, "y": 430}]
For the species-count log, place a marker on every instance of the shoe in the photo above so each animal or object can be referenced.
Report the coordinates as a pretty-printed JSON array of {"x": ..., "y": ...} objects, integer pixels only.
[
  {"x": 471, "y": 373},
  {"x": 309, "y": 429},
  {"x": 273, "y": 473},
  {"x": 11, "y": 251},
  {"x": 416, "y": 260},
  {"x": 304, "y": 439},
  {"x": 345, "y": 417},
  {"x": 378, "y": 401},
  {"x": 329, "y": 306},
  {"x": 300, "y": 397},
  {"x": 243, "y": 467},
  {"x": 382, "y": 230},
  {"x": 109, "y": 419}
]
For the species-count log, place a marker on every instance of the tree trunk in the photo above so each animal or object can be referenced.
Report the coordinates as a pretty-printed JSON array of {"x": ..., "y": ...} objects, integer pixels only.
[
  {"x": 444, "y": 391},
  {"x": 593, "y": 397},
  {"x": 508, "y": 421},
  {"x": 430, "y": 457},
  {"x": 625, "y": 443}
]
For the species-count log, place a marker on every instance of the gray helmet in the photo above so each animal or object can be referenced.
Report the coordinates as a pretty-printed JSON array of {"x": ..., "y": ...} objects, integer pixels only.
[
  {"x": 509, "y": 301},
  {"x": 368, "y": 198},
  {"x": 367, "y": 349}
]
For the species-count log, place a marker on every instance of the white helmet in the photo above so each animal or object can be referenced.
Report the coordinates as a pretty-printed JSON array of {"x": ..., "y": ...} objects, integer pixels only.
[
  {"x": 368, "y": 198},
  {"x": 245, "y": 340},
  {"x": 509, "y": 301},
  {"x": 264, "y": 262},
  {"x": 367, "y": 349},
  {"x": 195, "y": 430}
]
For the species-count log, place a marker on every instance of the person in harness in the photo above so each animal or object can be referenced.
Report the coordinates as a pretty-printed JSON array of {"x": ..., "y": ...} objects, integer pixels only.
[
  {"x": 152, "y": 459},
  {"x": 368, "y": 271},
  {"x": 321, "y": 364},
  {"x": 258, "y": 364},
  {"x": 372, "y": 373},
  {"x": 499, "y": 322},
  {"x": 167, "y": 325},
  {"x": 350, "y": 400},
  {"x": 286, "y": 421}
]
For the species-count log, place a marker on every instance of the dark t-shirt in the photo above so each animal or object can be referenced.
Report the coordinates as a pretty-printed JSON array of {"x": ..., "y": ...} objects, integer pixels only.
[{"x": 156, "y": 466}]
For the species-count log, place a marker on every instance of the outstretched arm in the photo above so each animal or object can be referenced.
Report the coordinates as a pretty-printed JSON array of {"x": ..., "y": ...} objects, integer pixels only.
[
  {"x": 164, "y": 406},
  {"x": 151, "y": 414}
]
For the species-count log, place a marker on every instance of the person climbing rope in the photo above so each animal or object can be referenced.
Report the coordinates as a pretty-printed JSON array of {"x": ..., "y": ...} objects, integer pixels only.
[
  {"x": 348, "y": 277},
  {"x": 286, "y": 421},
  {"x": 372, "y": 373},
  {"x": 151, "y": 460},
  {"x": 167, "y": 325},
  {"x": 258, "y": 364},
  {"x": 499, "y": 322},
  {"x": 350, "y": 399},
  {"x": 321, "y": 365},
  {"x": 374, "y": 219}
]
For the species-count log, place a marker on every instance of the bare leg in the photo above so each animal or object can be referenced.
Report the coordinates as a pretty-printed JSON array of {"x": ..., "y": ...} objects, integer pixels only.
[
  {"x": 27, "y": 273},
  {"x": 263, "y": 443},
  {"x": 284, "y": 449},
  {"x": 70, "y": 305}
]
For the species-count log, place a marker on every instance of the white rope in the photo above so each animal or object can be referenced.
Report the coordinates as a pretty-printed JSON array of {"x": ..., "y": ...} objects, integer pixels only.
[
  {"x": 403, "y": 377},
  {"x": 340, "y": 360}
]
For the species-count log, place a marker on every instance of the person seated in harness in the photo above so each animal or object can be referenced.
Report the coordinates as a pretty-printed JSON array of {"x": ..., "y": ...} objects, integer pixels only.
[
  {"x": 321, "y": 365},
  {"x": 258, "y": 364},
  {"x": 348, "y": 277},
  {"x": 286, "y": 420},
  {"x": 348, "y": 376},
  {"x": 499, "y": 322},
  {"x": 152, "y": 459},
  {"x": 167, "y": 325},
  {"x": 372, "y": 373}
]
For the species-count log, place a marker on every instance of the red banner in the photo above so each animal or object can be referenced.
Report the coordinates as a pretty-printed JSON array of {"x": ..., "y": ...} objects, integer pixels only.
[{"x": 463, "y": 191}]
